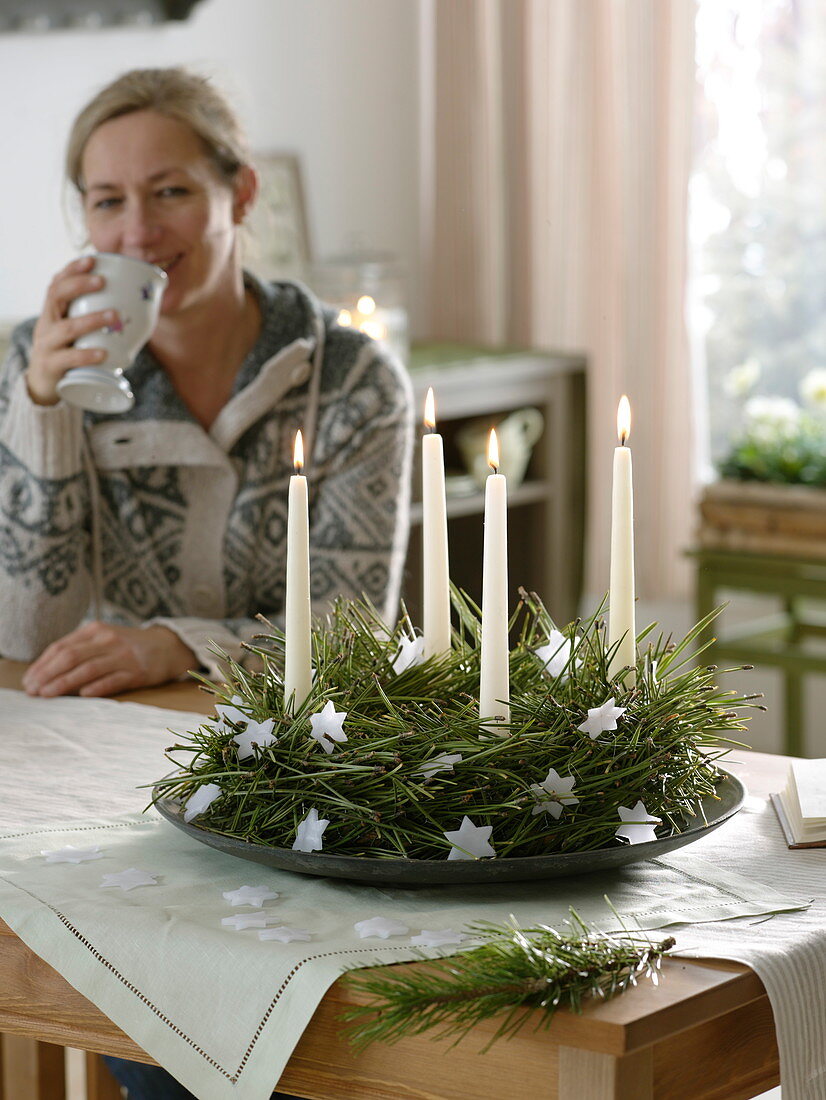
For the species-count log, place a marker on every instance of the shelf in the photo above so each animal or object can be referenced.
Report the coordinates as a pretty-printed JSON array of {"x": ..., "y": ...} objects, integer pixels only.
[{"x": 529, "y": 492}]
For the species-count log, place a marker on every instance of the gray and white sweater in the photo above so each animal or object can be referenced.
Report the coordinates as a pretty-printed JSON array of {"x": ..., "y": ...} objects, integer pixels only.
[{"x": 191, "y": 523}]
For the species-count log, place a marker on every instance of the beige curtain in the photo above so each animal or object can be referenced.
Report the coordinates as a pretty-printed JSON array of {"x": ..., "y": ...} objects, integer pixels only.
[{"x": 556, "y": 218}]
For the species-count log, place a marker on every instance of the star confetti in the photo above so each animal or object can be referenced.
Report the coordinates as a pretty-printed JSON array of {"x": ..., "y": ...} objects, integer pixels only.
[
  {"x": 558, "y": 788},
  {"x": 556, "y": 655},
  {"x": 601, "y": 719},
  {"x": 70, "y": 854},
  {"x": 381, "y": 928},
  {"x": 443, "y": 763},
  {"x": 240, "y": 921},
  {"x": 201, "y": 800},
  {"x": 128, "y": 880},
  {"x": 410, "y": 653},
  {"x": 250, "y": 895},
  {"x": 309, "y": 833},
  {"x": 470, "y": 841},
  {"x": 258, "y": 733},
  {"x": 327, "y": 726},
  {"x": 285, "y": 934},
  {"x": 437, "y": 939},
  {"x": 638, "y": 825}
]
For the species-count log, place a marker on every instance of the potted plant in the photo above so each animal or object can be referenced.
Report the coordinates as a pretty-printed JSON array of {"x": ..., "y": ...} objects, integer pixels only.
[{"x": 771, "y": 497}]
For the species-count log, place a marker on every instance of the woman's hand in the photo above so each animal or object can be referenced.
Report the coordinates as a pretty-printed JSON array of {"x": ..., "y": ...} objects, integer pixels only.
[
  {"x": 101, "y": 659},
  {"x": 53, "y": 352}
]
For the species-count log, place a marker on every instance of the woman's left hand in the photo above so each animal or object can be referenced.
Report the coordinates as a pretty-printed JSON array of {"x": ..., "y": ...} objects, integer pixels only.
[{"x": 102, "y": 659}]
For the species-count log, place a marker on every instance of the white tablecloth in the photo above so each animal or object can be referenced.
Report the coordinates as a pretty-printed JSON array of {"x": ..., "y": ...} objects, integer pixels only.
[{"x": 222, "y": 1010}]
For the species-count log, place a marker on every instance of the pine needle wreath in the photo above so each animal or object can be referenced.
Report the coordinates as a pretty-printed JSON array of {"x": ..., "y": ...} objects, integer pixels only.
[{"x": 380, "y": 789}]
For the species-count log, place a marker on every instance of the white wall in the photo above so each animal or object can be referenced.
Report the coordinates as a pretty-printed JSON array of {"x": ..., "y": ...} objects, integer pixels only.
[{"x": 335, "y": 81}]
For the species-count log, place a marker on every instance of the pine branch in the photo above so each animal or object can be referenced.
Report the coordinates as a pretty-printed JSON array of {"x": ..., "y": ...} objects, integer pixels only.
[{"x": 516, "y": 971}]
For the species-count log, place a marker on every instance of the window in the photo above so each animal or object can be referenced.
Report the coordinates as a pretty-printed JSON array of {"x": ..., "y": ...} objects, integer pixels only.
[{"x": 757, "y": 302}]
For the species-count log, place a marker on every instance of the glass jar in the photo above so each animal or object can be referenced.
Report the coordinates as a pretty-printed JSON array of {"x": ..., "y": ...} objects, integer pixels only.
[{"x": 368, "y": 289}]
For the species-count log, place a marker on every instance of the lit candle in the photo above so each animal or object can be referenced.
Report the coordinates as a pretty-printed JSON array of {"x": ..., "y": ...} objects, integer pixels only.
[
  {"x": 435, "y": 574},
  {"x": 621, "y": 617},
  {"x": 297, "y": 624},
  {"x": 494, "y": 682}
]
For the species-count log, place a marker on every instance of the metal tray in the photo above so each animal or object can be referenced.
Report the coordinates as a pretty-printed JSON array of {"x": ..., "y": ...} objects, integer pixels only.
[{"x": 434, "y": 872}]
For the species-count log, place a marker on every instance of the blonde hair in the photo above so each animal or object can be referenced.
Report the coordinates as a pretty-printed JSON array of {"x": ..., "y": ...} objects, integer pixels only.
[{"x": 175, "y": 93}]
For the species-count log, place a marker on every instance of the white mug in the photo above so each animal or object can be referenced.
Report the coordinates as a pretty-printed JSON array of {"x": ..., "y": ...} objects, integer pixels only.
[{"x": 134, "y": 288}]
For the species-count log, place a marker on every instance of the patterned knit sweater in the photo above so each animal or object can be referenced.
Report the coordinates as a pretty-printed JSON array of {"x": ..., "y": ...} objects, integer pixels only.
[{"x": 191, "y": 523}]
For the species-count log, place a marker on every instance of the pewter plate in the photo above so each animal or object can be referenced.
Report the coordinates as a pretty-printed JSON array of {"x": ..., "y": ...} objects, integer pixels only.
[{"x": 435, "y": 872}]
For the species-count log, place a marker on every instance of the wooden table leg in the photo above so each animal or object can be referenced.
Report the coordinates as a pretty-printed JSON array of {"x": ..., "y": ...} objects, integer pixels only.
[
  {"x": 585, "y": 1073},
  {"x": 100, "y": 1084},
  {"x": 36, "y": 1071}
]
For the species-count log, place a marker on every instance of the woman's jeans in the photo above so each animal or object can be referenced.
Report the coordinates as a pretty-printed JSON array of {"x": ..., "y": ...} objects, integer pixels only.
[{"x": 144, "y": 1082}]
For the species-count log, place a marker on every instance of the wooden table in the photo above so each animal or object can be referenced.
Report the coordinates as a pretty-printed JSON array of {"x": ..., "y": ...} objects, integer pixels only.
[{"x": 705, "y": 1033}]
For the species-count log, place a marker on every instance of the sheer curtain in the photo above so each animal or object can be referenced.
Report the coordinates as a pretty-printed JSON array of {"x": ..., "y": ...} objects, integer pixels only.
[{"x": 555, "y": 207}]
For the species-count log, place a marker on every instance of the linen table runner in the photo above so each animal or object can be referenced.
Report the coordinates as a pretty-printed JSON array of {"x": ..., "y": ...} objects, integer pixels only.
[{"x": 222, "y": 1009}]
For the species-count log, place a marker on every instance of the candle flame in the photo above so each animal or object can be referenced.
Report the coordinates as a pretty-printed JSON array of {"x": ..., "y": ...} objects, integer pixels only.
[
  {"x": 298, "y": 453},
  {"x": 493, "y": 451},
  {"x": 366, "y": 305},
  {"x": 345, "y": 318},
  {"x": 430, "y": 411},
  {"x": 623, "y": 420}
]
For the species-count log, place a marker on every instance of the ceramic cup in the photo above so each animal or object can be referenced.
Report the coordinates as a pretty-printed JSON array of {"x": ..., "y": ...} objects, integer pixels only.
[
  {"x": 133, "y": 288},
  {"x": 516, "y": 434}
]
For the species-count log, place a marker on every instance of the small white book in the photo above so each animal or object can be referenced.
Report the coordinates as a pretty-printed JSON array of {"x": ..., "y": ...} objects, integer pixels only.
[{"x": 801, "y": 805}]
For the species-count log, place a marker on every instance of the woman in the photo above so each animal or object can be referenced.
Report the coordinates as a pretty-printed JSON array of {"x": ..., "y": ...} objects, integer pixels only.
[{"x": 170, "y": 519}]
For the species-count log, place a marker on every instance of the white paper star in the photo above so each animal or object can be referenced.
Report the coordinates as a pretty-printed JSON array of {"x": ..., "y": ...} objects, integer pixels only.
[
  {"x": 240, "y": 921},
  {"x": 70, "y": 854},
  {"x": 258, "y": 732},
  {"x": 410, "y": 652},
  {"x": 201, "y": 800},
  {"x": 638, "y": 824},
  {"x": 250, "y": 895},
  {"x": 443, "y": 763},
  {"x": 285, "y": 934},
  {"x": 380, "y": 927},
  {"x": 128, "y": 880},
  {"x": 556, "y": 655},
  {"x": 309, "y": 833},
  {"x": 470, "y": 841},
  {"x": 438, "y": 939},
  {"x": 229, "y": 712},
  {"x": 327, "y": 726},
  {"x": 601, "y": 719},
  {"x": 559, "y": 789}
]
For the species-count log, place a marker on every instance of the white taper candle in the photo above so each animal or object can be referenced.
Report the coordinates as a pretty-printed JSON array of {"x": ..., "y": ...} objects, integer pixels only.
[
  {"x": 621, "y": 613},
  {"x": 297, "y": 614},
  {"x": 435, "y": 572},
  {"x": 494, "y": 677}
]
